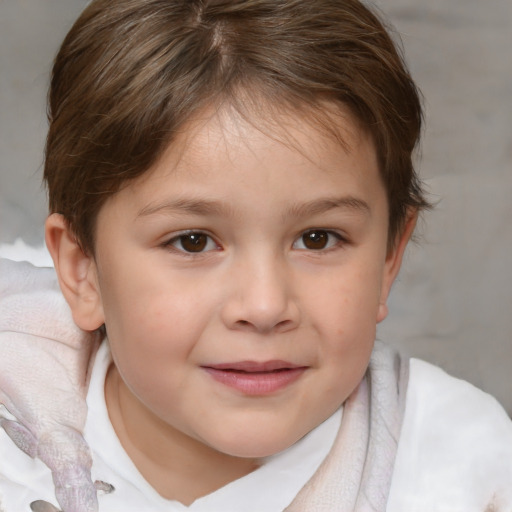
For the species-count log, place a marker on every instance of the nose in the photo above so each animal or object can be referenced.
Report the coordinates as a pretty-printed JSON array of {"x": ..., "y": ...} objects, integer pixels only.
[{"x": 261, "y": 297}]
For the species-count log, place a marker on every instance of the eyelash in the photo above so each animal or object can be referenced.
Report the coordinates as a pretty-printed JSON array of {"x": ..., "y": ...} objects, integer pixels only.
[
  {"x": 332, "y": 239},
  {"x": 203, "y": 244},
  {"x": 171, "y": 244}
]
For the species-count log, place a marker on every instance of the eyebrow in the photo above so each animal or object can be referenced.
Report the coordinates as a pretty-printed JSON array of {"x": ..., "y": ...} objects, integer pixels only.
[
  {"x": 192, "y": 206},
  {"x": 320, "y": 206},
  {"x": 207, "y": 207}
]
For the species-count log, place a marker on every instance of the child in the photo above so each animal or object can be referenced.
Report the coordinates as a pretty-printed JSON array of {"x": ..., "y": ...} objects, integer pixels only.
[{"x": 232, "y": 192}]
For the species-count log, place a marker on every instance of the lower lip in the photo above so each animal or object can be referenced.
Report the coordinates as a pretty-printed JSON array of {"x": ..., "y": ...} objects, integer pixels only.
[{"x": 256, "y": 383}]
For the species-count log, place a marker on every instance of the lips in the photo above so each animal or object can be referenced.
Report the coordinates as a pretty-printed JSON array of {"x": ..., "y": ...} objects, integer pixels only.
[
  {"x": 255, "y": 367},
  {"x": 256, "y": 378}
]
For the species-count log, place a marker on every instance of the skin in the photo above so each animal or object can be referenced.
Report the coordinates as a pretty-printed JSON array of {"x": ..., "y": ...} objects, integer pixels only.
[{"x": 257, "y": 290}]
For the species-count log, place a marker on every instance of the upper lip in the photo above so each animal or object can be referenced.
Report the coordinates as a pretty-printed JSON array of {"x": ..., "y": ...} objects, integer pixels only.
[{"x": 255, "y": 366}]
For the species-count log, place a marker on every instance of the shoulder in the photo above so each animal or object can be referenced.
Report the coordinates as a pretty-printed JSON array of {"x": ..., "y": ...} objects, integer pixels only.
[
  {"x": 431, "y": 391},
  {"x": 455, "y": 448}
]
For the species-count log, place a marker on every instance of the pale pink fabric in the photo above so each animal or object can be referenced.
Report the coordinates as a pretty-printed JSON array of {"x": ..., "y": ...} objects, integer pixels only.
[{"x": 44, "y": 367}]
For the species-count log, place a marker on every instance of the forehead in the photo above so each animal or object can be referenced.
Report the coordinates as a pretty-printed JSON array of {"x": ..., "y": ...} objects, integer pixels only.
[
  {"x": 226, "y": 162},
  {"x": 303, "y": 132}
]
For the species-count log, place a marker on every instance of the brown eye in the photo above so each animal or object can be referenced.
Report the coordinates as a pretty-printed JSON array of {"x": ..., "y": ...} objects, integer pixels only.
[
  {"x": 315, "y": 240},
  {"x": 318, "y": 240},
  {"x": 193, "y": 242}
]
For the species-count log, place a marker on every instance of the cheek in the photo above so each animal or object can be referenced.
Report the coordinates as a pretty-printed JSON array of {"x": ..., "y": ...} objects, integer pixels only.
[
  {"x": 151, "y": 339},
  {"x": 345, "y": 304},
  {"x": 154, "y": 325},
  {"x": 148, "y": 310},
  {"x": 344, "y": 318}
]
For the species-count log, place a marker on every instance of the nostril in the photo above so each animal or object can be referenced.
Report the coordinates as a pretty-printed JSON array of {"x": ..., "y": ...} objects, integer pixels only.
[
  {"x": 285, "y": 324},
  {"x": 282, "y": 326}
]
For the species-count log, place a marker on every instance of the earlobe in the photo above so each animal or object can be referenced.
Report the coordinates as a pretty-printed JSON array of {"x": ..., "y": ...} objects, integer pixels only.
[
  {"x": 394, "y": 262},
  {"x": 76, "y": 272}
]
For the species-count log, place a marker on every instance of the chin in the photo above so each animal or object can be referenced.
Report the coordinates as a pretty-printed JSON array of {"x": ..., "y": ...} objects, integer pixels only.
[{"x": 259, "y": 445}]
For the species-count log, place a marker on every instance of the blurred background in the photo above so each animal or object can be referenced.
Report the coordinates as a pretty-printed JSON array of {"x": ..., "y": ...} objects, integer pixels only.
[{"x": 452, "y": 304}]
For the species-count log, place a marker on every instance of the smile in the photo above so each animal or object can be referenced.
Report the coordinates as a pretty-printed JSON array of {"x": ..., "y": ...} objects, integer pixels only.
[{"x": 253, "y": 378}]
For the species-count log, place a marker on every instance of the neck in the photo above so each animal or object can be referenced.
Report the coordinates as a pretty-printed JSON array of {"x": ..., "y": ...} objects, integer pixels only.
[{"x": 179, "y": 467}]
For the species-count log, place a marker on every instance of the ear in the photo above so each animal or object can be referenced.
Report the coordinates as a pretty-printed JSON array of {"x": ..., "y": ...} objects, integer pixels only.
[
  {"x": 77, "y": 274},
  {"x": 394, "y": 262}
]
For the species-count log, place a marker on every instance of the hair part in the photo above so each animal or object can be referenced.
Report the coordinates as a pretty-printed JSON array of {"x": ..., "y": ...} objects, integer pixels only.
[{"x": 130, "y": 74}]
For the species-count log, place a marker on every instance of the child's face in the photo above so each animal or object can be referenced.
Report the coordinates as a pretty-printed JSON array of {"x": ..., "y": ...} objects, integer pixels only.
[{"x": 241, "y": 281}]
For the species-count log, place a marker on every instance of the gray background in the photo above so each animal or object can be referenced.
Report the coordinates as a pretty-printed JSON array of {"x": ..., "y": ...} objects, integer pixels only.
[{"x": 453, "y": 302}]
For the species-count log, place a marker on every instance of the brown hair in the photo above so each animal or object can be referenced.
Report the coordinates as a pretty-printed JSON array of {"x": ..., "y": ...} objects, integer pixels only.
[{"x": 130, "y": 73}]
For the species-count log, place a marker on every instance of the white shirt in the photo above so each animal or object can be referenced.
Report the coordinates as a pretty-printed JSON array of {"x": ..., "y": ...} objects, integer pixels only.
[
  {"x": 454, "y": 452},
  {"x": 455, "y": 448},
  {"x": 23, "y": 480}
]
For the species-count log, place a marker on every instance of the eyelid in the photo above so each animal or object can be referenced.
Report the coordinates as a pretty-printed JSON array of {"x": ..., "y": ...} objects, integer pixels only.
[
  {"x": 341, "y": 240},
  {"x": 170, "y": 241}
]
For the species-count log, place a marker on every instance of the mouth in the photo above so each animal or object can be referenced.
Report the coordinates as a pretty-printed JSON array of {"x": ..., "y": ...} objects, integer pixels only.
[{"x": 256, "y": 378}]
